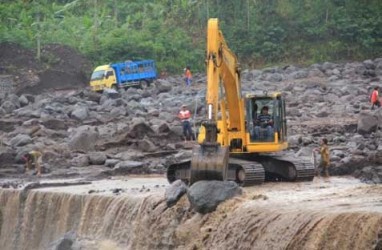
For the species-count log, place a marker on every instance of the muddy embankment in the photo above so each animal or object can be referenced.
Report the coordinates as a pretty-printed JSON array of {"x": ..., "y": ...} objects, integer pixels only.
[{"x": 339, "y": 214}]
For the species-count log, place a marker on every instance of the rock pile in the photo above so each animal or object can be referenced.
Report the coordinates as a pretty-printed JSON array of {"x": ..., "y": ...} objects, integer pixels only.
[{"x": 136, "y": 131}]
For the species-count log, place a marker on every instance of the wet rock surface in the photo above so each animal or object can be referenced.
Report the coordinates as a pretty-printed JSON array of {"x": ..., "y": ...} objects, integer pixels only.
[
  {"x": 174, "y": 192},
  {"x": 65, "y": 243},
  {"x": 205, "y": 196}
]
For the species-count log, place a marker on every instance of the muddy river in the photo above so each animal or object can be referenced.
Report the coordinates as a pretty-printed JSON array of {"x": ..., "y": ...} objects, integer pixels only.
[{"x": 131, "y": 213}]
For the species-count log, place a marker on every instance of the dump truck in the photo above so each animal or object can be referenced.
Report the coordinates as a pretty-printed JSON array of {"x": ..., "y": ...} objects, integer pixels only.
[{"x": 123, "y": 75}]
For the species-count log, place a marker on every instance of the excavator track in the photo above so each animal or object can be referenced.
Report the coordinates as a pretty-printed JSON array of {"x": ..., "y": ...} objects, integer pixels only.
[
  {"x": 284, "y": 168},
  {"x": 249, "y": 170},
  {"x": 245, "y": 173},
  {"x": 305, "y": 171}
]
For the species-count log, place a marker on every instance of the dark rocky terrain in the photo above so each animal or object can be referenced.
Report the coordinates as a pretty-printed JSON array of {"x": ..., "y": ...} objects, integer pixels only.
[{"x": 86, "y": 134}]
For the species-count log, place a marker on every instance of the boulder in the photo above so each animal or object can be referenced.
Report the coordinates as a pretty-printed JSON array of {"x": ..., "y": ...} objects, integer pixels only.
[
  {"x": 23, "y": 101},
  {"x": 299, "y": 74},
  {"x": 174, "y": 192},
  {"x": 108, "y": 104},
  {"x": 378, "y": 69},
  {"x": 110, "y": 163},
  {"x": 135, "y": 106},
  {"x": 127, "y": 167},
  {"x": 55, "y": 124},
  {"x": 64, "y": 243},
  {"x": 328, "y": 66},
  {"x": 83, "y": 139},
  {"x": 276, "y": 77},
  {"x": 163, "y": 127},
  {"x": 370, "y": 174},
  {"x": 118, "y": 111},
  {"x": 205, "y": 196},
  {"x": 139, "y": 129},
  {"x": 30, "y": 98},
  {"x": 80, "y": 160},
  {"x": 80, "y": 113},
  {"x": 367, "y": 123},
  {"x": 14, "y": 99},
  {"x": 97, "y": 158},
  {"x": 376, "y": 157},
  {"x": 7, "y": 125},
  {"x": 163, "y": 86},
  {"x": 294, "y": 140},
  {"x": 8, "y": 107},
  {"x": 112, "y": 93},
  {"x": 20, "y": 140},
  {"x": 146, "y": 145},
  {"x": 323, "y": 113},
  {"x": 92, "y": 96},
  {"x": 369, "y": 64},
  {"x": 7, "y": 158},
  {"x": 135, "y": 97}
]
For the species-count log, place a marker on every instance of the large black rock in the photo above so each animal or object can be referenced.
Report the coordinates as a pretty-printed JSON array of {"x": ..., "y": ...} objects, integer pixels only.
[
  {"x": 205, "y": 196},
  {"x": 174, "y": 192}
]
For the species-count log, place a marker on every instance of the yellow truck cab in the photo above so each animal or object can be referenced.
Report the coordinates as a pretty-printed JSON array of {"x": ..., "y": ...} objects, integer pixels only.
[
  {"x": 123, "y": 75},
  {"x": 102, "y": 77}
]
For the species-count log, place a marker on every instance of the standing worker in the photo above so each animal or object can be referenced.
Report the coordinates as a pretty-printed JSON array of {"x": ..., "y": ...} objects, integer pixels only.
[
  {"x": 374, "y": 98},
  {"x": 33, "y": 157},
  {"x": 185, "y": 115},
  {"x": 325, "y": 159},
  {"x": 187, "y": 76}
]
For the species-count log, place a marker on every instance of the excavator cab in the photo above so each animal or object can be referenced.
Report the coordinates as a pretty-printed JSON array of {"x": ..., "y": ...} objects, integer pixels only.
[{"x": 265, "y": 117}]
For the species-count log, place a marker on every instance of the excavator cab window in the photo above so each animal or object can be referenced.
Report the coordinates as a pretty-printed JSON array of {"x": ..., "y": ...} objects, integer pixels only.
[{"x": 260, "y": 118}]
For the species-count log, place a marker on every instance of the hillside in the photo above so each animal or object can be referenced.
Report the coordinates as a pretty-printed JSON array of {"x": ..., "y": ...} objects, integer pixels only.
[{"x": 173, "y": 32}]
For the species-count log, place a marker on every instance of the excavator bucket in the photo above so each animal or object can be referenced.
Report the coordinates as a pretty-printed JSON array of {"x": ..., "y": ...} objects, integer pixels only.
[{"x": 209, "y": 162}]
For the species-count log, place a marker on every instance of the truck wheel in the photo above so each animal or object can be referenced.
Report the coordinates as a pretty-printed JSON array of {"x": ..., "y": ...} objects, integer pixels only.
[
  {"x": 114, "y": 87},
  {"x": 144, "y": 84}
]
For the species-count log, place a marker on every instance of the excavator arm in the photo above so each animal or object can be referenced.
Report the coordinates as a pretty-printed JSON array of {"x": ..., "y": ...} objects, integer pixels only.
[
  {"x": 223, "y": 75},
  {"x": 210, "y": 159}
]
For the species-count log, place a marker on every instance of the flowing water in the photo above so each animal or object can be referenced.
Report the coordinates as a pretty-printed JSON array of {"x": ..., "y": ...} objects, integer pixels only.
[{"x": 337, "y": 214}]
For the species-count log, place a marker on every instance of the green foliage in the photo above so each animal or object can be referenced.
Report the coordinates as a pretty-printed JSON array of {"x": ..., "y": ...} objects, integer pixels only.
[{"x": 172, "y": 32}]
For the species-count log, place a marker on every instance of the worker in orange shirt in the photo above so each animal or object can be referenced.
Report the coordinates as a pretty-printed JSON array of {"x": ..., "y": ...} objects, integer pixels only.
[
  {"x": 187, "y": 76},
  {"x": 185, "y": 116},
  {"x": 374, "y": 98}
]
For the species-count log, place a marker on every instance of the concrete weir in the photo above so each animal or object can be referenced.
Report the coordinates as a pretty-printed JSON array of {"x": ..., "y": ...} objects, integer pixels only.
[{"x": 287, "y": 216}]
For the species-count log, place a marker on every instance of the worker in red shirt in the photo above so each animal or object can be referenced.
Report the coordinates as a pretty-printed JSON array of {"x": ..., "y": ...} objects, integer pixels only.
[
  {"x": 374, "y": 99},
  {"x": 187, "y": 76},
  {"x": 185, "y": 116}
]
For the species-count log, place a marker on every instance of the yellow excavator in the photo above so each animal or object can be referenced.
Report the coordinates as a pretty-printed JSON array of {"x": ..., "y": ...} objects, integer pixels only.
[{"x": 243, "y": 137}]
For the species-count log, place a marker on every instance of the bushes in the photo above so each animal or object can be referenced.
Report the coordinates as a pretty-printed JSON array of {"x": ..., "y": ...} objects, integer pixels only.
[{"x": 173, "y": 32}]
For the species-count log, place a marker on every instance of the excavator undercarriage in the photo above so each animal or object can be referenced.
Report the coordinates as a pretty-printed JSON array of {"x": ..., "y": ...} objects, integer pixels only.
[{"x": 244, "y": 169}]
